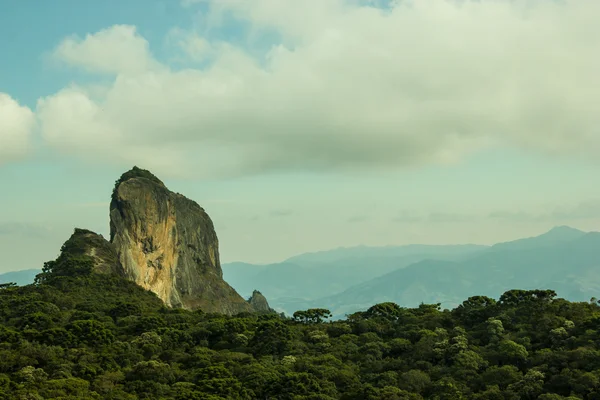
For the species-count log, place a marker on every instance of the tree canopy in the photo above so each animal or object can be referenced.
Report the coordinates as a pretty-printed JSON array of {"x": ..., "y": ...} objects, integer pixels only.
[{"x": 79, "y": 335}]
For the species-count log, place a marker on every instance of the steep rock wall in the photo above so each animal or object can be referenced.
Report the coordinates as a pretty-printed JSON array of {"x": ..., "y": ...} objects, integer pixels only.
[{"x": 167, "y": 243}]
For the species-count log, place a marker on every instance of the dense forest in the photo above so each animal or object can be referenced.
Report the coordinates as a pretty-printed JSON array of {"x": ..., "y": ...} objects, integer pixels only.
[{"x": 75, "y": 334}]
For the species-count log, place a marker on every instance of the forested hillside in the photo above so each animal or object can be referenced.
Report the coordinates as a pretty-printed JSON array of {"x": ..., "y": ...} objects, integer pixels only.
[{"x": 80, "y": 335}]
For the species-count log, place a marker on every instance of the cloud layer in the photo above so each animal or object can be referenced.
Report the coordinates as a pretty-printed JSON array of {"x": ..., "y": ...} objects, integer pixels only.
[
  {"x": 356, "y": 87},
  {"x": 16, "y": 125}
]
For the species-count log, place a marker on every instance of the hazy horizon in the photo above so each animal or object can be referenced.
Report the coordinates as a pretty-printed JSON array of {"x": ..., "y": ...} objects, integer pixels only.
[{"x": 299, "y": 137}]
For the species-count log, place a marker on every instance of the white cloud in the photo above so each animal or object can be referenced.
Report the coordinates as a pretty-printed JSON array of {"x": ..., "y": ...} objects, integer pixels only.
[
  {"x": 16, "y": 125},
  {"x": 196, "y": 48},
  {"x": 345, "y": 87},
  {"x": 118, "y": 49}
]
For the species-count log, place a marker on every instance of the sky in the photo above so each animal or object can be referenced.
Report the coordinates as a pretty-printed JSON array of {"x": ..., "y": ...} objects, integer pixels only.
[{"x": 302, "y": 126}]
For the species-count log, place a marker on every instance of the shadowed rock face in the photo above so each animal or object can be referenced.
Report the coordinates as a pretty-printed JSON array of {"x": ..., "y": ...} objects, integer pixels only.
[
  {"x": 260, "y": 303},
  {"x": 87, "y": 243},
  {"x": 167, "y": 243}
]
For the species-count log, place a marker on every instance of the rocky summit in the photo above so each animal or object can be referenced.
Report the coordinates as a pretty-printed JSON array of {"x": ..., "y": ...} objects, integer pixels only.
[
  {"x": 102, "y": 253},
  {"x": 164, "y": 242},
  {"x": 259, "y": 303}
]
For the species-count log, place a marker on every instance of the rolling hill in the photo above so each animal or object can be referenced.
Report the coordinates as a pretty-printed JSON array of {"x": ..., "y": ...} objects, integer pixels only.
[
  {"x": 23, "y": 277},
  {"x": 570, "y": 267},
  {"x": 301, "y": 279}
]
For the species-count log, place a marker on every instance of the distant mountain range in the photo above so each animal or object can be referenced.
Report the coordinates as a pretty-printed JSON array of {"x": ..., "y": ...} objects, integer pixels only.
[
  {"x": 315, "y": 275},
  {"x": 345, "y": 280},
  {"x": 570, "y": 267},
  {"x": 564, "y": 259},
  {"x": 557, "y": 235},
  {"x": 21, "y": 278}
]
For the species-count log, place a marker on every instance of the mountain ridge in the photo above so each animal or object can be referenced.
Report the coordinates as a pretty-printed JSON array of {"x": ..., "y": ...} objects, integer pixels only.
[
  {"x": 555, "y": 235},
  {"x": 490, "y": 273},
  {"x": 294, "y": 293}
]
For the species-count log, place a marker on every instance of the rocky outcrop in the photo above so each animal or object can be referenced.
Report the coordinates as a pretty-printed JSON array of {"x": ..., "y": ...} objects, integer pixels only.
[
  {"x": 161, "y": 240},
  {"x": 260, "y": 303},
  {"x": 167, "y": 243},
  {"x": 87, "y": 243}
]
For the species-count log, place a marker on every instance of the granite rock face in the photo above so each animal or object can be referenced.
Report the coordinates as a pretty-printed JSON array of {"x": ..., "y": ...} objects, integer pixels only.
[
  {"x": 167, "y": 243},
  {"x": 87, "y": 243},
  {"x": 260, "y": 303}
]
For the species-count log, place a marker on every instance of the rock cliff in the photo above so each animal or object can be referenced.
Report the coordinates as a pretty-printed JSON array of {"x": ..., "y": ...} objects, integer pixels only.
[
  {"x": 260, "y": 303},
  {"x": 167, "y": 243}
]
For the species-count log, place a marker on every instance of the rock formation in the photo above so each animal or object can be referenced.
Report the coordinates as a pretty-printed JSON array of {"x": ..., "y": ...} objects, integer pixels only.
[
  {"x": 260, "y": 303},
  {"x": 87, "y": 243},
  {"x": 167, "y": 243}
]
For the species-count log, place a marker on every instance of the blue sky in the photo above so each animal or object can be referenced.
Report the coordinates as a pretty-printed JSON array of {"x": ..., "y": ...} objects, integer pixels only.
[{"x": 301, "y": 128}]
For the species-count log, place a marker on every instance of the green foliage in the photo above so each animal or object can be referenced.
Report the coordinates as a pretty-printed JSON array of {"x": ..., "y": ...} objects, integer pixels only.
[
  {"x": 65, "y": 267},
  {"x": 312, "y": 316},
  {"x": 79, "y": 335},
  {"x": 82, "y": 240}
]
